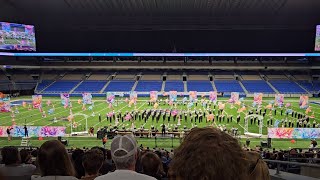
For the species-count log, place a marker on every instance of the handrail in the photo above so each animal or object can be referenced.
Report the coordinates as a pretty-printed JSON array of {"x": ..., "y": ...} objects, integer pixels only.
[{"x": 291, "y": 163}]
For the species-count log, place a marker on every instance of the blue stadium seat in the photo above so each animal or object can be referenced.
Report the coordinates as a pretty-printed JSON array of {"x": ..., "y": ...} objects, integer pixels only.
[
  {"x": 146, "y": 86},
  {"x": 90, "y": 86},
  {"x": 200, "y": 86},
  {"x": 286, "y": 86},
  {"x": 43, "y": 84},
  {"x": 228, "y": 86},
  {"x": 118, "y": 85},
  {"x": 61, "y": 86},
  {"x": 258, "y": 86},
  {"x": 174, "y": 86}
]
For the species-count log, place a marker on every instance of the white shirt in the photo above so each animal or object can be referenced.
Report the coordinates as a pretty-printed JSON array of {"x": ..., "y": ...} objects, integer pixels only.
[{"x": 125, "y": 174}]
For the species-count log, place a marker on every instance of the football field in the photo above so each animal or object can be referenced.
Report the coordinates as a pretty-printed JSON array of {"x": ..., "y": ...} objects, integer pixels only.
[{"x": 33, "y": 117}]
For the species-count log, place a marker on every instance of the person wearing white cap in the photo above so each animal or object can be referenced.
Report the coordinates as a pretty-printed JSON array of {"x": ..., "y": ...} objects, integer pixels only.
[{"x": 124, "y": 153}]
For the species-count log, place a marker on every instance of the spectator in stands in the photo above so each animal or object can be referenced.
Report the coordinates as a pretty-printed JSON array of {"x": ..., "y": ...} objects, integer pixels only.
[
  {"x": 77, "y": 162},
  {"x": 92, "y": 161},
  {"x": 12, "y": 167},
  {"x": 152, "y": 165},
  {"x": 107, "y": 165},
  {"x": 25, "y": 156},
  {"x": 124, "y": 153},
  {"x": 257, "y": 168},
  {"x": 208, "y": 153},
  {"x": 54, "y": 162}
]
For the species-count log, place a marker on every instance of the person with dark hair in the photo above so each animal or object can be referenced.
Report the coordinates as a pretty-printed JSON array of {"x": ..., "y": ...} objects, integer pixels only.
[
  {"x": 54, "y": 162},
  {"x": 92, "y": 161},
  {"x": 77, "y": 162},
  {"x": 152, "y": 165},
  {"x": 208, "y": 153},
  {"x": 25, "y": 156},
  {"x": 107, "y": 161},
  {"x": 12, "y": 167}
]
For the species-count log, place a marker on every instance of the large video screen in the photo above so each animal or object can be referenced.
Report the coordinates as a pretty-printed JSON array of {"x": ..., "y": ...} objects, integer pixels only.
[
  {"x": 18, "y": 37},
  {"x": 317, "y": 47}
]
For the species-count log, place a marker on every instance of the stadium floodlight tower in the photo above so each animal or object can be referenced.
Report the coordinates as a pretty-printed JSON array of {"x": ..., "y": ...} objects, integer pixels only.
[
  {"x": 246, "y": 123},
  {"x": 85, "y": 117}
]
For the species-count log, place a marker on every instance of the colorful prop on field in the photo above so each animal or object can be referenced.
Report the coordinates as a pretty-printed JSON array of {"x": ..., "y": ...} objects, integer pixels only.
[
  {"x": 269, "y": 106},
  {"x": 37, "y": 101},
  {"x": 86, "y": 98},
  {"x": 304, "y": 102},
  {"x": 133, "y": 97},
  {"x": 24, "y": 104},
  {"x": 184, "y": 100},
  {"x": 156, "y": 105},
  {"x": 49, "y": 103},
  {"x": 153, "y": 96},
  {"x": 4, "y": 103},
  {"x": 221, "y": 105},
  {"x": 213, "y": 96},
  {"x": 288, "y": 105},
  {"x": 294, "y": 133},
  {"x": 192, "y": 96},
  {"x": 279, "y": 100},
  {"x": 173, "y": 96},
  {"x": 281, "y": 133},
  {"x": 308, "y": 110},
  {"x": 243, "y": 108},
  {"x": 34, "y": 131},
  {"x": 174, "y": 112},
  {"x": 110, "y": 97},
  {"x": 65, "y": 99},
  {"x": 234, "y": 97},
  {"x": 257, "y": 98}
]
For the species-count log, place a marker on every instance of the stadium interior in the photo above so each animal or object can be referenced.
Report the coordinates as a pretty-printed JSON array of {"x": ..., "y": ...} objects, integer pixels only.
[{"x": 233, "y": 85}]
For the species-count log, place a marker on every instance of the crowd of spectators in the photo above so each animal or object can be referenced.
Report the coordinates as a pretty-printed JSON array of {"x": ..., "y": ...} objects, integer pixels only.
[{"x": 205, "y": 153}]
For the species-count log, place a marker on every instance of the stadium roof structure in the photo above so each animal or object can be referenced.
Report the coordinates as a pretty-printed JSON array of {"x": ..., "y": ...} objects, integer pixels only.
[
  {"x": 108, "y": 54},
  {"x": 137, "y": 15}
]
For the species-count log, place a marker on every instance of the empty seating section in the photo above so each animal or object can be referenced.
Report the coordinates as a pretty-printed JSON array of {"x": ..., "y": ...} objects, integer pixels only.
[
  {"x": 198, "y": 77},
  {"x": 98, "y": 77},
  {"x": 61, "y": 86},
  {"x": 146, "y": 86},
  {"x": 6, "y": 87},
  {"x": 72, "y": 77},
  {"x": 200, "y": 86},
  {"x": 3, "y": 78},
  {"x": 43, "y": 84},
  {"x": 117, "y": 85},
  {"x": 22, "y": 78},
  {"x": 250, "y": 77},
  {"x": 253, "y": 86},
  {"x": 90, "y": 86},
  {"x": 25, "y": 86},
  {"x": 228, "y": 86},
  {"x": 125, "y": 77},
  {"x": 312, "y": 87},
  {"x": 151, "y": 77},
  {"x": 286, "y": 86},
  {"x": 174, "y": 86}
]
